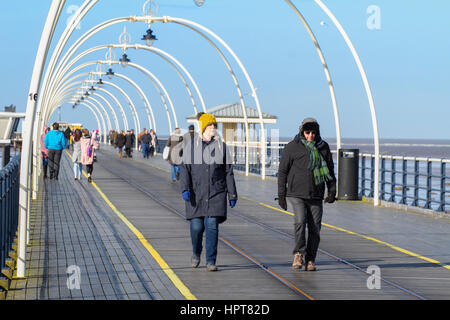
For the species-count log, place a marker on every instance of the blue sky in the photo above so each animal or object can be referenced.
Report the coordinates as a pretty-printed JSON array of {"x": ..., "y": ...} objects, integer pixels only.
[{"x": 406, "y": 60}]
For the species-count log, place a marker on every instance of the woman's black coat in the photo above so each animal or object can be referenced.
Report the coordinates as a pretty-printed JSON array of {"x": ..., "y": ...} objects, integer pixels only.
[{"x": 209, "y": 182}]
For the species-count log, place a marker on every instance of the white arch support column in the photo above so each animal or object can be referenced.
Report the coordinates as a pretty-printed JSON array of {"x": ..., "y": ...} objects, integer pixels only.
[
  {"x": 376, "y": 196},
  {"x": 25, "y": 163},
  {"x": 326, "y": 70},
  {"x": 202, "y": 30}
]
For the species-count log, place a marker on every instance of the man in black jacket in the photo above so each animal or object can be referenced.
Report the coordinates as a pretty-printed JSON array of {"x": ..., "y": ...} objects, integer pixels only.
[
  {"x": 306, "y": 165},
  {"x": 146, "y": 139}
]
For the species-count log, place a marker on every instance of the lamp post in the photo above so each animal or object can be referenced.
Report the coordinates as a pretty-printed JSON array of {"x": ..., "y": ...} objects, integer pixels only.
[
  {"x": 149, "y": 37},
  {"x": 110, "y": 74},
  {"x": 124, "y": 60}
]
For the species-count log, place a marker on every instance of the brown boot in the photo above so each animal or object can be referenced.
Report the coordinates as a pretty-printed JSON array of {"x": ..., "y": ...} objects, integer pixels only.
[
  {"x": 120, "y": 155},
  {"x": 298, "y": 261},
  {"x": 310, "y": 266}
]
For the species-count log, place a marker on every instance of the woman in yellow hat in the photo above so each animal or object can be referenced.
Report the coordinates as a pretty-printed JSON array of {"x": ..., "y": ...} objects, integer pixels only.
[{"x": 206, "y": 181}]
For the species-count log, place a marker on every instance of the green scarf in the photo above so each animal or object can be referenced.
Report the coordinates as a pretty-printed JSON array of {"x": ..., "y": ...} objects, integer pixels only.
[{"x": 317, "y": 163}]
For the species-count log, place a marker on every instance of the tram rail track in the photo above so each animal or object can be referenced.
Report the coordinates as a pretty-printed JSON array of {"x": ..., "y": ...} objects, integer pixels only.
[{"x": 287, "y": 236}]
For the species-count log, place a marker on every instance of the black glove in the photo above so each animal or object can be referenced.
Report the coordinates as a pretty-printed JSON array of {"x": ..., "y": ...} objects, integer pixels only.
[
  {"x": 331, "y": 197},
  {"x": 282, "y": 203}
]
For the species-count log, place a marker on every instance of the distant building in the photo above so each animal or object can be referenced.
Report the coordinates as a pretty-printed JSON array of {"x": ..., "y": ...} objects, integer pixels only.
[{"x": 232, "y": 119}]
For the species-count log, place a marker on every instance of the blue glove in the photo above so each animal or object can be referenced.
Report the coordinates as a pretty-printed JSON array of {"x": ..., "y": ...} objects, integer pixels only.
[
  {"x": 186, "y": 195},
  {"x": 232, "y": 203}
]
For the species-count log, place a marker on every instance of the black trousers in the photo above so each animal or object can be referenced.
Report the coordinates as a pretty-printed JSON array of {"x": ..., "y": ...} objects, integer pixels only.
[
  {"x": 307, "y": 213},
  {"x": 54, "y": 158},
  {"x": 90, "y": 168}
]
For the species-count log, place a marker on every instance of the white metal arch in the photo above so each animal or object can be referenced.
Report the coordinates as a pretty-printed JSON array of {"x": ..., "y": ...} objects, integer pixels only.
[
  {"x": 327, "y": 73},
  {"x": 197, "y": 28},
  {"x": 147, "y": 104},
  {"x": 376, "y": 196},
  {"x": 25, "y": 167},
  {"x": 164, "y": 55}
]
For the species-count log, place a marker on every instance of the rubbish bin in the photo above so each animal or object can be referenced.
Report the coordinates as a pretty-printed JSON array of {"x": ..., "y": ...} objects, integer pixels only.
[{"x": 348, "y": 174}]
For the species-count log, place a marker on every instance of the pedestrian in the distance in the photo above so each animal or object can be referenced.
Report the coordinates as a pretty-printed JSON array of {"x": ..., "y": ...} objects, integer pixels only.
[
  {"x": 206, "y": 181},
  {"x": 129, "y": 143},
  {"x": 76, "y": 155},
  {"x": 55, "y": 142},
  {"x": 120, "y": 142},
  {"x": 44, "y": 151},
  {"x": 95, "y": 142},
  {"x": 87, "y": 153},
  {"x": 146, "y": 140},
  {"x": 154, "y": 142},
  {"x": 67, "y": 134},
  {"x": 175, "y": 153},
  {"x": 306, "y": 167}
]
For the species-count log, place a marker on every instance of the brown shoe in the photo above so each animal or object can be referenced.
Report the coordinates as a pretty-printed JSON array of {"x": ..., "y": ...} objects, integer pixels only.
[
  {"x": 310, "y": 266},
  {"x": 298, "y": 261}
]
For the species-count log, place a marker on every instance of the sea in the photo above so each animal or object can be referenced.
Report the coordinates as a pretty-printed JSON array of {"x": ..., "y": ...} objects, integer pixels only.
[{"x": 438, "y": 149}]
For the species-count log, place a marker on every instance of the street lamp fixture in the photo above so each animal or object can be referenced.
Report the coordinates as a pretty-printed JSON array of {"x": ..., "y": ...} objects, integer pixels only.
[
  {"x": 149, "y": 37},
  {"x": 92, "y": 88},
  {"x": 100, "y": 83},
  {"x": 87, "y": 94},
  {"x": 110, "y": 73},
  {"x": 124, "y": 60}
]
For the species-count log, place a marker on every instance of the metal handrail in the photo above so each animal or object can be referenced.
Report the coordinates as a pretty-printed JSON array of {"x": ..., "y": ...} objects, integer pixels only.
[
  {"x": 417, "y": 193},
  {"x": 413, "y": 184},
  {"x": 9, "y": 206}
]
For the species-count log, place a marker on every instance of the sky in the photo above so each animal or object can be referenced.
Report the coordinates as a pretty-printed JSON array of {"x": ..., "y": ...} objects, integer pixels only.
[{"x": 403, "y": 46}]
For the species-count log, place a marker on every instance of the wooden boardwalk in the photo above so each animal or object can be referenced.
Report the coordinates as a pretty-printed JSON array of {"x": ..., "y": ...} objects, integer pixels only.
[{"x": 125, "y": 234}]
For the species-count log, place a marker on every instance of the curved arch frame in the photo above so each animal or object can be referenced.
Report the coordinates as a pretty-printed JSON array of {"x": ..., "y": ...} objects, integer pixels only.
[{"x": 376, "y": 196}]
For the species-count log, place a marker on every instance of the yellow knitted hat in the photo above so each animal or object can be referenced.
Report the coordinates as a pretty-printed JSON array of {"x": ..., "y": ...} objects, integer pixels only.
[{"x": 204, "y": 120}]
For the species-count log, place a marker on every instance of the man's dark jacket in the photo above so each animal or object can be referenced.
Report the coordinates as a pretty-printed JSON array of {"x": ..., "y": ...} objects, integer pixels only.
[
  {"x": 120, "y": 140},
  {"x": 294, "y": 172},
  {"x": 146, "y": 138}
]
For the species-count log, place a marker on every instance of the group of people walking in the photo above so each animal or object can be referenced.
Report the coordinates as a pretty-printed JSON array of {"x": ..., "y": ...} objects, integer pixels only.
[
  {"x": 306, "y": 169},
  {"x": 200, "y": 161},
  {"x": 121, "y": 139},
  {"x": 84, "y": 144},
  {"x": 147, "y": 142}
]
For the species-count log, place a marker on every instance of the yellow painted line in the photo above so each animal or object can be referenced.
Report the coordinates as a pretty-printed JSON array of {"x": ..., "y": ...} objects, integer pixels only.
[
  {"x": 360, "y": 235},
  {"x": 164, "y": 266},
  {"x": 348, "y": 232}
]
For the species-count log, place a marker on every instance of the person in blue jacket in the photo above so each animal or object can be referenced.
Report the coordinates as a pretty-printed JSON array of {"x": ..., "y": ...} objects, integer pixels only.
[{"x": 55, "y": 142}]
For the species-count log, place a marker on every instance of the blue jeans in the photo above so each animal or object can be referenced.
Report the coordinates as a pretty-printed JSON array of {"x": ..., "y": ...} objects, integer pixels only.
[
  {"x": 77, "y": 167},
  {"x": 198, "y": 226},
  {"x": 145, "y": 149},
  {"x": 175, "y": 170}
]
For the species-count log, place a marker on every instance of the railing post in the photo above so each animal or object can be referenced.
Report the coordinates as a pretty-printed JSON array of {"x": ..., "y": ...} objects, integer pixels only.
[
  {"x": 3, "y": 229},
  {"x": 429, "y": 171},
  {"x": 442, "y": 196},
  {"x": 404, "y": 180},
  {"x": 383, "y": 177},
  {"x": 372, "y": 176},
  {"x": 363, "y": 176},
  {"x": 393, "y": 172},
  {"x": 416, "y": 183}
]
